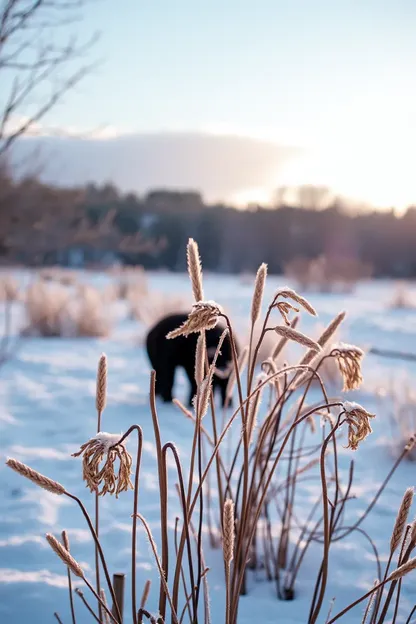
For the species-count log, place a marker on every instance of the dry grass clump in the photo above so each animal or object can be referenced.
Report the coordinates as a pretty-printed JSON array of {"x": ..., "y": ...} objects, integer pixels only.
[
  {"x": 129, "y": 284},
  {"x": 47, "y": 310},
  {"x": 9, "y": 289},
  {"x": 326, "y": 275},
  {"x": 256, "y": 476},
  {"x": 397, "y": 401},
  {"x": 53, "y": 311},
  {"x": 402, "y": 299},
  {"x": 60, "y": 275}
]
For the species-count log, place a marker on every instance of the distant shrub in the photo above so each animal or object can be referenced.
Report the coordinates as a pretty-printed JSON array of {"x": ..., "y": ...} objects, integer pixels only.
[
  {"x": 54, "y": 311},
  {"x": 402, "y": 299},
  {"x": 325, "y": 274},
  {"x": 9, "y": 288}
]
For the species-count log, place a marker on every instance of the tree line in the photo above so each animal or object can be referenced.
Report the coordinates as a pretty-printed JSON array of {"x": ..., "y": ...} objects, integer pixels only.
[{"x": 41, "y": 224}]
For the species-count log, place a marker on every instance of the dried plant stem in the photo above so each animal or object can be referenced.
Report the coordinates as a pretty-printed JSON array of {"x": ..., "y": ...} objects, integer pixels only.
[
  {"x": 163, "y": 494},
  {"x": 135, "y": 508},
  {"x": 100, "y": 400},
  {"x": 409, "y": 619},
  {"x": 327, "y": 528},
  {"x": 161, "y": 572},
  {"x": 57, "y": 618},
  {"x": 100, "y": 550},
  {"x": 264, "y": 489},
  {"x": 185, "y": 531},
  {"x": 104, "y": 607},
  {"x": 403, "y": 558},
  {"x": 65, "y": 541},
  {"x": 357, "y": 602},
  {"x": 81, "y": 595}
]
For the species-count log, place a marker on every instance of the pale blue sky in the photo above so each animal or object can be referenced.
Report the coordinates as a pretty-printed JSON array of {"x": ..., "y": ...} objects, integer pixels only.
[{"x": 336, "y": 76}]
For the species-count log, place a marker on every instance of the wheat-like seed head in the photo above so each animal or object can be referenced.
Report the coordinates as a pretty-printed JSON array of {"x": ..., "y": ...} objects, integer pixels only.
[
  {"x": 324, "y": 338},
  {"x": 145, "y": 594},
  {"x": 296, "y": 336},
  {"x": 65, "y": 540},
  {"x": 258, "y": 292},
  {"x": 289, "y": 293},
  {"x": 63, "y": 554},
  {"x": 101, "y": 393},
  {"x": 195, "y": 270},
  {"x": 204, "y": 315},
  {"x": 401, "y": 519},
  {"x": 228, "y": 531},
  {"x": 36, "y": 477},
  {"x": 402, "y": 570}
]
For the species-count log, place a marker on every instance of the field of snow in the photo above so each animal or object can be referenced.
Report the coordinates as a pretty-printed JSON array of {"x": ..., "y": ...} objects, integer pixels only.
[{"x": 47, "y": 410}]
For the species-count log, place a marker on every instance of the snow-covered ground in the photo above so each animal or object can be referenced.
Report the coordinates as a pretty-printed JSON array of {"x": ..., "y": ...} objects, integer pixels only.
[{"x": 47, "y": 399}]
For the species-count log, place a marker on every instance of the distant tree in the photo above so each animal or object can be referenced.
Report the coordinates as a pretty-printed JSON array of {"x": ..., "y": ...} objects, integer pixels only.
[{"x": 38, "y": 66}]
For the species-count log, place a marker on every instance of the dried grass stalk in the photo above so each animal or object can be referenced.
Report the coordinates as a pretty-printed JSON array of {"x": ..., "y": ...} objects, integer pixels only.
[
  {"x": 101, "y": 392},
  {"x": 36, "y": 477},
  {"x": 296, "y": 336},
  {"x": 401, "y": 519},
  {"x": 228, "y": 531},
  {"x": 241, "y": 364},
  {"x": 195, "y": 269},
  {"x": 104, "y": 600},
  {"x": 200, "y": 359},
  {"x": 258, "y": 292},
  {"x": 63, "y": 554}
]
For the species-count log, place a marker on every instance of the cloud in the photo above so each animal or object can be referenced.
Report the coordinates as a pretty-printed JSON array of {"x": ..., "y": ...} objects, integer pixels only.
[{"x": 217, "y": 165}]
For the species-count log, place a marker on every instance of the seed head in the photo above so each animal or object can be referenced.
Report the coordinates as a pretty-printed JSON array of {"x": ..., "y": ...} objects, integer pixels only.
[
  {"x": 358, "y": 420},
  {"x": 63, "y": 554},
  {"x": 401, "y": 519},
  {"x": 195, "y": 269},
  {"x": 36, "y": 477},
  {"x": 228, "y": 531},
  {"x": 101, "y": 393},
  {"x": 105, "y": 445},
  {"x": 258, "y": 292},
  {"x": 204, "y": 315}
]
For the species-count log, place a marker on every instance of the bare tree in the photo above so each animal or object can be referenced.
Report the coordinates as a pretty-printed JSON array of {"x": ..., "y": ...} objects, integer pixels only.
[{"x": 39, "y": 62}]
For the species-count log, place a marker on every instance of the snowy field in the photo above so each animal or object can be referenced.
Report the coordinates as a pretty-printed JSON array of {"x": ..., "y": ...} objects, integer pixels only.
[{"x": 47, "y": 410}]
